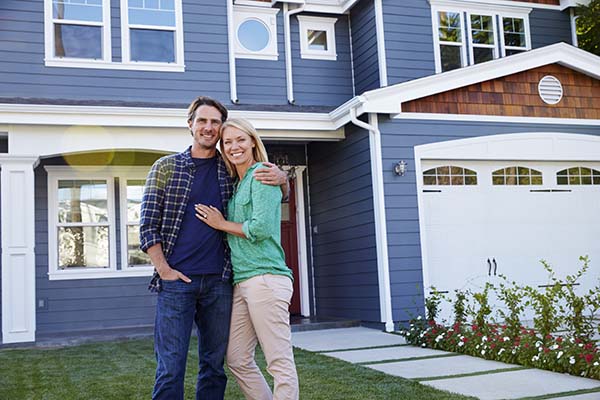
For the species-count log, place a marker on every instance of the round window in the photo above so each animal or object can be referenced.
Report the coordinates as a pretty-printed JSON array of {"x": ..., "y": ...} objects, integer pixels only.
[{"x": 253, "y": 35}]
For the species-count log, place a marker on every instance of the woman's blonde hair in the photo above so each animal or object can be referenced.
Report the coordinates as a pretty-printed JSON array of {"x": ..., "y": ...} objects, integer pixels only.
[{"x": 258, "y": 152}]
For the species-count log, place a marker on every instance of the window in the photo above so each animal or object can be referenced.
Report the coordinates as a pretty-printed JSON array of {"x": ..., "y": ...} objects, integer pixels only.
[
  {"x": 578, "y": 176},
  {"x": 317, "y": 37},
  {"x": 152, "y": 31},
  {"x": 449, "y": 175},
  {"x": 78, "y": 34},
  {"x": 482, "y": 36},
  {"x": 131, "y": 198},
  {"x": 465, "y": 34},
  {"x": 255, "y": 32},
  {"x": 514, "y": 36},
  {"x": 516, "y": 176},
  {"x": 77, "y": 30},
  {"x": 82, "y": 222}
]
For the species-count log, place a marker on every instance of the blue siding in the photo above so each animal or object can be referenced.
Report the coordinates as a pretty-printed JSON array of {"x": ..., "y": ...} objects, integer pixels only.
[
  {"x": 85, "y": 304},
  {"x": 549, "y": 27},
  {"x": 344, "y": 248},
  {"x": 408, "y": 40},
  {"x": 323, "y": 82},
  {"x": 364, "y": 47},
  {"x": 398, "y": 141},
  {"x": 24, "y": 75}
]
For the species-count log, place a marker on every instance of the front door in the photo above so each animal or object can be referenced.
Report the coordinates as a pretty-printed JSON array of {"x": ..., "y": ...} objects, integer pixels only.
[{"x": 289, "y": 242}]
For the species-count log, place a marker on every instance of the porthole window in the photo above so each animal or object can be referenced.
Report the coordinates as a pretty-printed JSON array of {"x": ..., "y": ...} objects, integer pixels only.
[
  {"x": 578, "y": 176},
  {"x": 450, "y": 176},
  {"x": 517, "y": 176},
  {"x": 255, "y": 32},
  {"x": 253, "y": 35}
]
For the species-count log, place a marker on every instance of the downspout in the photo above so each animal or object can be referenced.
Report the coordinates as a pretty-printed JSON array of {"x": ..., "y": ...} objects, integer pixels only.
[
  {"x": 287, "y": 14},
  {"x": 231, "y": 35},
  {"x": 383, "y": 79},
  {"x": 383, "y": 264}
]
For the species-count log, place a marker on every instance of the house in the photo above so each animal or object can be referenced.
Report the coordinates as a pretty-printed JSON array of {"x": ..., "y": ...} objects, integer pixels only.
[{"x": 429, "y": 142}]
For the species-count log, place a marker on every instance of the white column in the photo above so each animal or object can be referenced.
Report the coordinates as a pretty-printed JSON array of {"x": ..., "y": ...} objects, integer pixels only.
[{"x": 18, "y": 239}]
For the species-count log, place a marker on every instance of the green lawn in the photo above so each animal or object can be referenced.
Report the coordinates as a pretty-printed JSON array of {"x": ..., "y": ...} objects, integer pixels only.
[{"x": 125, "y": 370}]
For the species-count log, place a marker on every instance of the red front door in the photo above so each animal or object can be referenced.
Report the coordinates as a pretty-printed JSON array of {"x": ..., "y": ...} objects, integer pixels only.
[{"x": 289, "y": 242}]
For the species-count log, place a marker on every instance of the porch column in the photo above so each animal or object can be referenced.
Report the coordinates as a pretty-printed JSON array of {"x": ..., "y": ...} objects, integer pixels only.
[{"x": 18, "y": 240}]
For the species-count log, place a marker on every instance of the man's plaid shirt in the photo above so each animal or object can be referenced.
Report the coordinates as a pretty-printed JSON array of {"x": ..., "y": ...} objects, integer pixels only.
[{"x": 166, "y": 194}]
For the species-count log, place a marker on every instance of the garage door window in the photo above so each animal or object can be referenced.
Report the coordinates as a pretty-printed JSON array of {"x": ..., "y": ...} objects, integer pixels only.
[
  {"x": 516, "y": 176},
  {"x": 578, "y": 176},
  {"x": 450, "y": 175}
]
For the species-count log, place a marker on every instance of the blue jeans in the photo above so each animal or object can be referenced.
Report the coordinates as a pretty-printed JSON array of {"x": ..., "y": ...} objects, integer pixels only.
[{"x": 207, "y": 302}]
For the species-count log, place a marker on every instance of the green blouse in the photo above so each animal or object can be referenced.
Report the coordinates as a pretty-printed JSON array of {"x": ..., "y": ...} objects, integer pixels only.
[{"x": 258, "y": 208}]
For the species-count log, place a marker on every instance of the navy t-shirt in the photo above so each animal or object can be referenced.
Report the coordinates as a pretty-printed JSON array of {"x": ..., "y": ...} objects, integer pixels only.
[{"x": 199, "y": 248}]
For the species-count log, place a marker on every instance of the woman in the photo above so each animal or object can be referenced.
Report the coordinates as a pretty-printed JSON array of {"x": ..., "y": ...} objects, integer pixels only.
[{"x": 262, "y": 282}]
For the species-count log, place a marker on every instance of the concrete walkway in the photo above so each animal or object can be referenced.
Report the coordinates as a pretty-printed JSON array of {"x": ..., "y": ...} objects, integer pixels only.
[{"x": 470, "y": 376}]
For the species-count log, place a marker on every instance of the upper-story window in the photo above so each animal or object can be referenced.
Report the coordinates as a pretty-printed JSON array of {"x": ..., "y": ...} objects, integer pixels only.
[
  {"x": 78, "y": 34},
  {"x": 317, "y": 37},
  {"x": 255, "y": 32},
  {"x": 78, "y": 30},
  {"x": 466, "y": 35},
  {"x": 151, "y": 31}
]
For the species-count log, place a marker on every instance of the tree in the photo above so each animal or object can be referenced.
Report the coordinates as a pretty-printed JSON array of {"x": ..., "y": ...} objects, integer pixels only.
[{"x": 588, "y": 26}]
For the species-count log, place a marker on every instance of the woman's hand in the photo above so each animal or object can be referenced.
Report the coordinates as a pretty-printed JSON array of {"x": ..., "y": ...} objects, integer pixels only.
[{"x": 210, "y": 215}]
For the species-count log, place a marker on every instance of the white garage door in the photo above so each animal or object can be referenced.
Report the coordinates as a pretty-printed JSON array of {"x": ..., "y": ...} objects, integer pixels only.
[{"x": 486, "y": 218}]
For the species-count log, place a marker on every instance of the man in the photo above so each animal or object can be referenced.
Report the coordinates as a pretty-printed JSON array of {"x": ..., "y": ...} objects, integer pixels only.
[{"x": 193, "y": 267}]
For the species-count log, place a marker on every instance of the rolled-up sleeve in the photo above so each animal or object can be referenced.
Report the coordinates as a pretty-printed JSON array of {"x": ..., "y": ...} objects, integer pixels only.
[
  {"x": 264, "y": 221},
  {"x": 152, "y": 207}
]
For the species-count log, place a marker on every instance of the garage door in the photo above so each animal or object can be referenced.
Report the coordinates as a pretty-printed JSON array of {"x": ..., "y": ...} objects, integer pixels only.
[{"x": 486, "y": 218}]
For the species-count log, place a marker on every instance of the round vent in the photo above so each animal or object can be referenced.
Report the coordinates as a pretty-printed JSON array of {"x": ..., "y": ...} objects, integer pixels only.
[{"x": 550, "y": 90}]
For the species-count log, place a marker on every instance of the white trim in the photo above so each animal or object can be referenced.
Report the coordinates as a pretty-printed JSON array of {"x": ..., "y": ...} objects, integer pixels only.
[
  {"x": 177, "y": 66},
  {"x": 381, "y": 55},
  {"x": 289, "y": 76},
  {"x": 231, "y": 53},
  {"x": 572, "y": 3},
  {"x": 137, "y": 173},
  {"x": 389, "y": 100},
  {"x": 383, "y": 264},
  {"x": 106, "y": 47},
  {"x": 327, "y": 25},
  {"x": 435, "y": 11},
  {"x": 487, "y": 6},
  {"x": 573, "y": 19},
  {"x": 18, "y": 248},
  {"x": 302, "y": 245},
  {"x": 267, "y": 17},
  {"x": 496, "y": 118},
  {"x": 56, "y": 173}
]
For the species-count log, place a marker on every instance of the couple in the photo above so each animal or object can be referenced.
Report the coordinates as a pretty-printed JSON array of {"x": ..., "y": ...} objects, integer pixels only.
[{"x": 182, "y": 229}]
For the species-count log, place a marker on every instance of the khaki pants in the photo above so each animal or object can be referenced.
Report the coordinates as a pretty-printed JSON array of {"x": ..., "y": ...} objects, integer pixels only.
[{"x": 260, "y": 313}]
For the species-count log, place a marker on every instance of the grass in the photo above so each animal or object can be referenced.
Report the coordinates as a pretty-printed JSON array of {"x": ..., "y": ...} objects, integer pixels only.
[{"x": 125, "y": 370}]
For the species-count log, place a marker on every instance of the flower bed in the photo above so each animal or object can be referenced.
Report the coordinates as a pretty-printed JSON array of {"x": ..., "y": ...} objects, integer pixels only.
[{"x": 557, "y": 307}]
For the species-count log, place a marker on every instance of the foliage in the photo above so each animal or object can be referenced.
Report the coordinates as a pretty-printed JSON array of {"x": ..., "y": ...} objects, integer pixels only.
[
  {"x": 562, "y": 338},
  {"x": 588, "y": 27}
]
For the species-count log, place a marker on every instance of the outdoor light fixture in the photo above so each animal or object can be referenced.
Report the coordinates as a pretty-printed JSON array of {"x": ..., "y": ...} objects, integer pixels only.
[{"x": 400, "y": 168}]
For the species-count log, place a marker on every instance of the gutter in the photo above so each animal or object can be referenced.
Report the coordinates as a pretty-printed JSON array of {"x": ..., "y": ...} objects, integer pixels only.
[
  {"x": 287, "y": 14},
  {"x": 383, "y": 264},
  {"x": 383, "y": 80},
  {"x": 231, "y": 48}
]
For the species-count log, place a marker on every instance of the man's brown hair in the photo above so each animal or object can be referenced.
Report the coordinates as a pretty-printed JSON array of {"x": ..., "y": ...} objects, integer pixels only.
[{"x": 206, "y": 101}]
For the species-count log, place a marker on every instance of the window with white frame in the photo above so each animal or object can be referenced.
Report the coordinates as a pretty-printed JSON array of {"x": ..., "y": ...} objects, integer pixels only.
[
  {"x": 255, "y": 32},
  {"x": 82, "y": 222},
  {"x": 152, "y": 31},
  {"x": 77, "y": 30},
  {"x": 317, "y": 37},
  {"x": 78, "y": 34},
  {"x": 467, "y": 35}
]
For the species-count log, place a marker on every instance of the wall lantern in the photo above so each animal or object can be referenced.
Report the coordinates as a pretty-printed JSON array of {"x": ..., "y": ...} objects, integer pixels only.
[{"x": 400, "y": 168}]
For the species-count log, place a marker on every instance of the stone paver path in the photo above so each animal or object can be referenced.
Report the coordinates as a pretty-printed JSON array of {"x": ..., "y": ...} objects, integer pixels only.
[{"x": 471, "y": 376}]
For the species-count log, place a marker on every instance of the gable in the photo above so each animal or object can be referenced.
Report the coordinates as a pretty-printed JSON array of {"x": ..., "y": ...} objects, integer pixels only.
[{"x": 517, "y": 95}]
